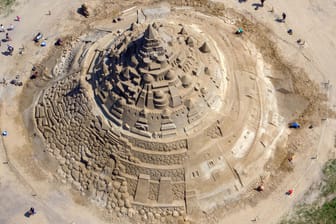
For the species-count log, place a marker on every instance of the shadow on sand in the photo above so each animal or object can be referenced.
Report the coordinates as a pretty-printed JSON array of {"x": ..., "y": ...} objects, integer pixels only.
[
  {"x": 279, "y": 20},
  {"x": 6, "y": 53},
  {"x": 27, "y": 214},
  {"x": 256, "y": 6}
]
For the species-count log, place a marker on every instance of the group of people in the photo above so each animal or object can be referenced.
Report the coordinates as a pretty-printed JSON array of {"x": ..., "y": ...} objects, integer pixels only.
[
  {"x": 10, "y": 27},
  {"x": 283, "y": 15},
  {"x": 239, "y": 31},
  {"x": 8, "y": 38},
  {"x": 2, "y": 29}
]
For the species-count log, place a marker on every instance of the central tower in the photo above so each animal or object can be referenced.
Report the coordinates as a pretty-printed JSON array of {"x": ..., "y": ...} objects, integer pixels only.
[{"x": 159, "y": 82}]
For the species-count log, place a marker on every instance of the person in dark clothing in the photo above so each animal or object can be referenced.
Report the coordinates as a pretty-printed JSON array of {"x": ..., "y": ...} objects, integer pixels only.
[
  {"x": 262, "y": 3},
  {"x": 283, "y": 17},
  {"x": 32, "y": 211}
]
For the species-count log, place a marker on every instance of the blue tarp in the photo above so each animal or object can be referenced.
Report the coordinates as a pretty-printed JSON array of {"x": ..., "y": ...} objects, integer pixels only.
[{"x": 294, "y": 125}]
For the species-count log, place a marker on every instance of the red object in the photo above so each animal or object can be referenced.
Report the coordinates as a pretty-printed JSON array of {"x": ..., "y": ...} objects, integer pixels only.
[
  {"x": 18, "y": 18},
  {"x": 290, "y": 192}
]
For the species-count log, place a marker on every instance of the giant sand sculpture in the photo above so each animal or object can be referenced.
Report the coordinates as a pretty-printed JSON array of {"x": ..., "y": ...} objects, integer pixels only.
[{"x": 164, "y": 117}]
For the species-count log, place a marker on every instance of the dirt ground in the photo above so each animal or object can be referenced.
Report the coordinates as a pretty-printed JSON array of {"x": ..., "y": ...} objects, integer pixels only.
[
  {"x": 24, "y": 184},
  {"x": 315, "y": 58}
]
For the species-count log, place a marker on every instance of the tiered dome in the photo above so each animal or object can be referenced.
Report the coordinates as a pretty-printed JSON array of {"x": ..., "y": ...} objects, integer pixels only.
[{"x": 154, "y": 72}]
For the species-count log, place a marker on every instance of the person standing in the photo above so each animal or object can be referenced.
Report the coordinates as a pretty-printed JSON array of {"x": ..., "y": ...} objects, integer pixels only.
[
  {"x": 283, "y": 17},
  {"x": 262, "y": 3},
  {"x": 32, "y": 211},
  {"x": 8, "y": 37},
  {"x": 10, "y": 49}
]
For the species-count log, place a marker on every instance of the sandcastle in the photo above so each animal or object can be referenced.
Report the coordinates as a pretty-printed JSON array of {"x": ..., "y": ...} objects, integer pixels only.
[
  {"x": 163, "y": 118},
  {"x": 157, "y": 88}
]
